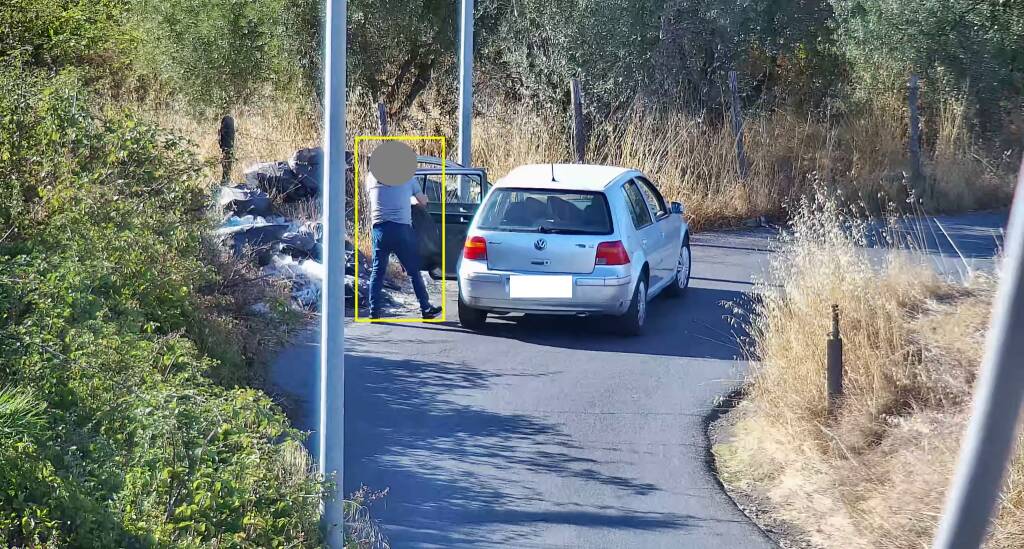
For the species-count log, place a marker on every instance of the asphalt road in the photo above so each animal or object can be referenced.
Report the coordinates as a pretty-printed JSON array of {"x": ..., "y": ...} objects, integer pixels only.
[
  {"x": 546, "y": 432},
  {"x": 555, "y": 432}
]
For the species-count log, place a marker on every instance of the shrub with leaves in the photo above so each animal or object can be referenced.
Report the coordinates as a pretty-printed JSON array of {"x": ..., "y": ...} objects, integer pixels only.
[{"x": 114, "y": 434}]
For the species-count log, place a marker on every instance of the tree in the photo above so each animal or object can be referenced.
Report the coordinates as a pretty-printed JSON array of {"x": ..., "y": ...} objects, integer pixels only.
[
  {"x": 217, "y": 53},
  {"x": 958, "y": 46}
]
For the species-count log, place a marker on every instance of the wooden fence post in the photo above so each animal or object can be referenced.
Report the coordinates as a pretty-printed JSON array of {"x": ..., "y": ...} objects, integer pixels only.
[
  {"x": 916, "y": 173},
  {"x": 579, "y": 131},
  {"x": 737, "y": 126},
  {"x": 382, "y": 118}
]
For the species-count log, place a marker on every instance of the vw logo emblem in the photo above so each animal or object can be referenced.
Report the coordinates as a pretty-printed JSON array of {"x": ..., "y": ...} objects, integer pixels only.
[{"x": 540, "y": 244}]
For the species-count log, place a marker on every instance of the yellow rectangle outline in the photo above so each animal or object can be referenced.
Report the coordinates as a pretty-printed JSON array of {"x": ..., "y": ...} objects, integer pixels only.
[{"x": 444, "y": 218}]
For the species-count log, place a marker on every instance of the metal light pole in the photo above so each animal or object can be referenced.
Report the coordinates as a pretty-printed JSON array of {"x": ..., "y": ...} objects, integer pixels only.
[
  {"x": 998, "y": 395},
  {"x": 332, "y": 298},
  {"x": 465, "y": 89}
]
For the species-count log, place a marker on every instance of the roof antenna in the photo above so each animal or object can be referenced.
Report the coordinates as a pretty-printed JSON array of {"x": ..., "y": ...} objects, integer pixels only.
[{"x": 553, "y": 173}]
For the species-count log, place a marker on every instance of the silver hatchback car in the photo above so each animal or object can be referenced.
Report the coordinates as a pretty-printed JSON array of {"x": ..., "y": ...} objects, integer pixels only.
[{"x": 572, "y": 239}]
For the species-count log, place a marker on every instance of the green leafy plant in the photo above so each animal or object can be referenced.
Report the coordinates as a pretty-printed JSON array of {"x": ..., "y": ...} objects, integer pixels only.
[{"x": 125, "y": 440}]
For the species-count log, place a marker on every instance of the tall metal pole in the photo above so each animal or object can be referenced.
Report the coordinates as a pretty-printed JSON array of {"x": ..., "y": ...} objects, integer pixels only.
[
  {"x": 332, "y": 298},
  {"x": 998, "y": 395},
  {"x": 465, "y": 82}
]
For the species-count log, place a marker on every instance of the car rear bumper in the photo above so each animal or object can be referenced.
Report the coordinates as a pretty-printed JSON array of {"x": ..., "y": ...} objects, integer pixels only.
[{"x": 605, "y": 291}]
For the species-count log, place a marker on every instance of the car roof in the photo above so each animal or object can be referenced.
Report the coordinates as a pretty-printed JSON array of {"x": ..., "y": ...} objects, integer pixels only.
[
  {"x": 579, "y": 177},
  {"x": 433, "y": 161}
]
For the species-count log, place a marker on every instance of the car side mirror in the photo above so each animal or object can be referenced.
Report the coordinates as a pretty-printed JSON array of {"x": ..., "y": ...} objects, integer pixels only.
[{"x": 677, "y": 208}]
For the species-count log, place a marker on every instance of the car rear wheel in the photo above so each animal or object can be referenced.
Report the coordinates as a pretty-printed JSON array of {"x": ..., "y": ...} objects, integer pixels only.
[
  {"x": 632, "y": 322},
  {"x": 684, "y": 264},
  {"x": 471, "y": 318}
]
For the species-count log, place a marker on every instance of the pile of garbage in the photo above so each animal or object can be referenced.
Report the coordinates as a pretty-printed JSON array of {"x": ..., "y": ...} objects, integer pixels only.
[
  {"x": 288, "y": 249},
  {"x": 300, "y": 177}
]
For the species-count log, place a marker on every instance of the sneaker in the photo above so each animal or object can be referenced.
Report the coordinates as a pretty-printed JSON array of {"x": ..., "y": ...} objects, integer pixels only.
[{"x": 432, "y": 312}]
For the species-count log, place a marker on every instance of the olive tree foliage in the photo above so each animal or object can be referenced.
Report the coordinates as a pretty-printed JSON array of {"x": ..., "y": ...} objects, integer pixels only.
[
  {"x": 396, "y": 48},
  {"x": 216, "y": 53},
  {"x": 779, "y": 48},
  {"x": 668, "y": 51},
  {"x": 527, "y": 50},
  {"x": 531, "y": 48},
  {"x": 524, "y": 49},
  {"x": 957, "y": 46}
]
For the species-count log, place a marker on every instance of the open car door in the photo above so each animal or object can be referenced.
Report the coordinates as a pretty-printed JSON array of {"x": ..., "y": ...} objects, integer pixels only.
[{"x": 465, "y": 190}]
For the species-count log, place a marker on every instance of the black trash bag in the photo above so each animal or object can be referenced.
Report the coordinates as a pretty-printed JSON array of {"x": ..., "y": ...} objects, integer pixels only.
[
  {"x": 277, "y": 178},
  {"x": 242, "y": 201},
  {"x": 307, "y": 165},
  {"x": 260, "y": 238},
  {"x": 428, "y": 236},
  {"x": 299, "y": 245}
]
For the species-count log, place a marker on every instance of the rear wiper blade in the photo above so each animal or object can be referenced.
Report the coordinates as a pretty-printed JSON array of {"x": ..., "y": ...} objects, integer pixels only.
[{"x": 556, "y": 230}]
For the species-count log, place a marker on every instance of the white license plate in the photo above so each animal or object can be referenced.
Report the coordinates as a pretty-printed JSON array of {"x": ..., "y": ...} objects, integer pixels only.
[{"x": 540, "y": 287}]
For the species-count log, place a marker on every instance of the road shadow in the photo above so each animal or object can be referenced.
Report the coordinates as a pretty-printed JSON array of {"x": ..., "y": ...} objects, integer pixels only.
[
  {"x": 704, "y": 323},
  {"x": 444, "y": 462}
]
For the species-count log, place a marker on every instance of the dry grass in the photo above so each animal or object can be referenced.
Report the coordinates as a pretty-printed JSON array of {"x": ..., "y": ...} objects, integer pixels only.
[
  {"x": 875, "y": 475},
  {"x": 266, "y": 134},
  {"x": 693, "y": 159}
]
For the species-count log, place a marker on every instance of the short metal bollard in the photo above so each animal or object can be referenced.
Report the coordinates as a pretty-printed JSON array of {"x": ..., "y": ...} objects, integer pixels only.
[
  {"x": 227, "y": 147},
  {"x": 834, "y": 372}
]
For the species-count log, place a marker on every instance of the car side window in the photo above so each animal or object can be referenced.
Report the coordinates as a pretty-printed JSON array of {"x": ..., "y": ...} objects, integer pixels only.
[
  {"x": 637, "y": 205},
  {"x": 461, "y": 189},
  {"x": 653, "y": 198}
]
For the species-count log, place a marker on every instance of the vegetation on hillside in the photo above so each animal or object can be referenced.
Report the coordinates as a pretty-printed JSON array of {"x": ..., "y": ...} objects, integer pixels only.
[{"x": 122, "y": 422}]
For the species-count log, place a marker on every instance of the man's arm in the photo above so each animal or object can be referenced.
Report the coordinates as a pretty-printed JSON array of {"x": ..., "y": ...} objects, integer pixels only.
[{"x": 417, "y": 193}]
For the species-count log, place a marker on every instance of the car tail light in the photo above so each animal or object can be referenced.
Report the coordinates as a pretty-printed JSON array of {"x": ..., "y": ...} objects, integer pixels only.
[
  {"x": 476, "y": 248},
  {"x": 611, "y": 253}
]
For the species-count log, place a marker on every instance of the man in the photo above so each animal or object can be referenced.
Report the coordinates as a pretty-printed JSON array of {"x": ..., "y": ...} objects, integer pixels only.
[{"x": 391, "y": 214}]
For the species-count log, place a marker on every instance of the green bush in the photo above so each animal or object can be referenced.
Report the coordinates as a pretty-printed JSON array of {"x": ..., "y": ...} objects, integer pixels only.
[
  {"x": 55, "y": 34},
  {"x": 957, "y": 46},
  {"x": 217, "y": 53},
  {"x": 123, "y": 440}
]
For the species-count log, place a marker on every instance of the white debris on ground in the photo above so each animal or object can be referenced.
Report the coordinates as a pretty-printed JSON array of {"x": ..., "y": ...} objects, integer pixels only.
[
  {"x": 306, "y": 276},
  {"x": 234, "y": 223},
  {"x": 290, "y": 249}
]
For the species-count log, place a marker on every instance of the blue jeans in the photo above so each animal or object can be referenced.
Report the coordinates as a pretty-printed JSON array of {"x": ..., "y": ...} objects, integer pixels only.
[{"x": 391, "y": 237}]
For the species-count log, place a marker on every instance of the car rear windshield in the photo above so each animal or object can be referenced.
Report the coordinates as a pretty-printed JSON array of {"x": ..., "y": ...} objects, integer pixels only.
[{"x": 546, "y": 211}]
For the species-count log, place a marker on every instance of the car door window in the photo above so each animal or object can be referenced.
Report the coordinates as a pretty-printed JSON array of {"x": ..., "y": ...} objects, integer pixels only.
[
  {"x": 653, "y": 198},
  {"x": 637, "y": 205},
  {"x": 460, "y": 189}
]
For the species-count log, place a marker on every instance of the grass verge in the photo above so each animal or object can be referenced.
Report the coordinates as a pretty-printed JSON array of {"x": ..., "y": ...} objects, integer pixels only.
[{"x": 874, "y": 474}]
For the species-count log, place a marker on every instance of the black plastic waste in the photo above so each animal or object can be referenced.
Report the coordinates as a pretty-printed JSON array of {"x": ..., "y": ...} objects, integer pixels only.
[
  {"x": 260, "y": 238},
  {"x": 307, "y": 165},
  {"x": 428, "y": 236},
  {"x": 279, "y": 178},
  {"x": 299, "y": 245},
  {"x": 245, "y": 201}
]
